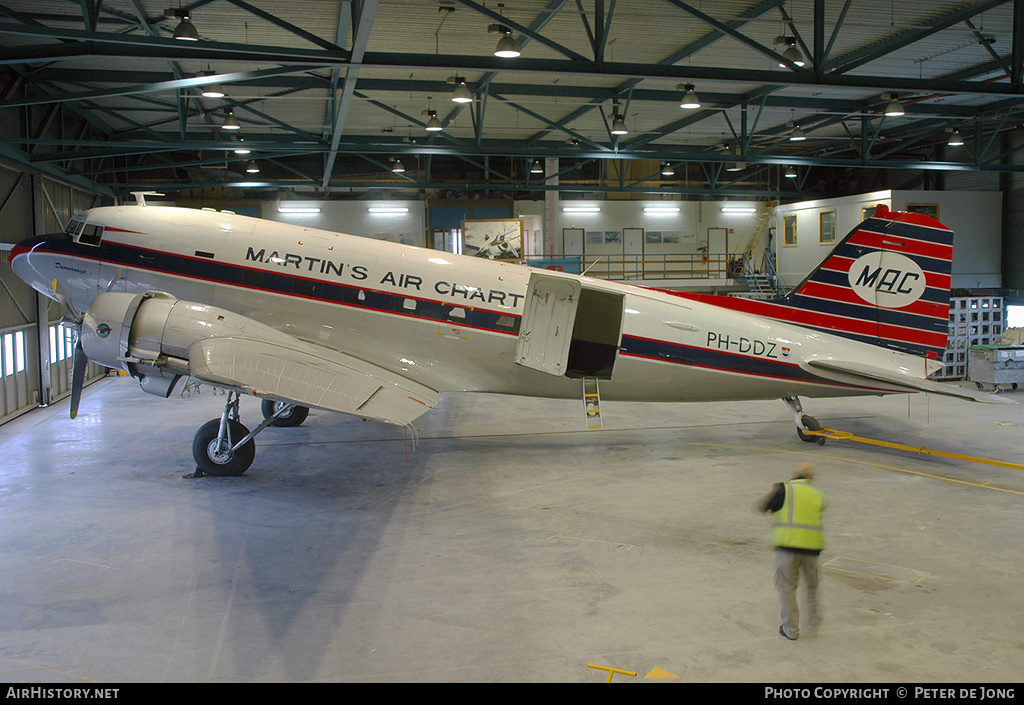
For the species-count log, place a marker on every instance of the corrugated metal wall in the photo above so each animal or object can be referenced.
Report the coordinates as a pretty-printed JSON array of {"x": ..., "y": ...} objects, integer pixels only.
[{"x": 17, "y": 300}]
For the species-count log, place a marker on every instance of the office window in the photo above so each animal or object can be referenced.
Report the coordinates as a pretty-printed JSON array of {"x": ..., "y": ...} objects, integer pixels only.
[
  {"x": 789, "y": 231},
  {"x": 827, "y": 231}
]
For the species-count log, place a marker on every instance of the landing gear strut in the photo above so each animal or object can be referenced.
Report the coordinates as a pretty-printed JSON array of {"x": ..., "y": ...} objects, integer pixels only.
[
  {"x": 803, "y": 421},
  {"x": 224, "y": 447}
]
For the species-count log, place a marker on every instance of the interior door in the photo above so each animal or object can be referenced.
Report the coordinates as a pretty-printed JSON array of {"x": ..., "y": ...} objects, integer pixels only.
[{"x": 546, "y": 331}]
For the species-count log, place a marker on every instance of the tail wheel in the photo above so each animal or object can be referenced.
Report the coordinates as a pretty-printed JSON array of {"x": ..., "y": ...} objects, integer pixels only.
[
  {"x": 214, "y": 458},
  {"x": 293, "y": 417}
]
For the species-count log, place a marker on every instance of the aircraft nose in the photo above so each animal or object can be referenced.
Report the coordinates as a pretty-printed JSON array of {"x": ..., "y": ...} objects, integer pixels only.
[{"x": 21, "y": 258}]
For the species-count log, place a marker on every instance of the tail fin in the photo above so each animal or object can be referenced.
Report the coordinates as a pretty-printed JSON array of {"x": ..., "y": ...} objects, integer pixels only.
[{"x": 887, "y": 283}]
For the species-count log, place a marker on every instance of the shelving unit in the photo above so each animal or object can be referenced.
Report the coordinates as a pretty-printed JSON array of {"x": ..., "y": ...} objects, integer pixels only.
[{"x": 973, "y": 320}]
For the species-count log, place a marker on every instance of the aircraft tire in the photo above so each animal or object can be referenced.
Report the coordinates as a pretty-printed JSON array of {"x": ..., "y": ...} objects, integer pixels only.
[
  {"x": 295, "y": 417},
  {"x": 217, "y": 464},
  {"x": 811, "y": 424}
]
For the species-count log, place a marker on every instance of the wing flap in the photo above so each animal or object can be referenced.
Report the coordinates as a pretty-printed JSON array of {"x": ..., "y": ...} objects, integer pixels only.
[
  {"x": 311, "y": 376},
  {"x": 857, "y": 373}
]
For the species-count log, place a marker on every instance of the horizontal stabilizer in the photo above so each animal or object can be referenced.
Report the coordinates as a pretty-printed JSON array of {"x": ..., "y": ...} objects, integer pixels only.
[
  {"x": 310, "y": 376},
  {"x": 848, "y": 372}
]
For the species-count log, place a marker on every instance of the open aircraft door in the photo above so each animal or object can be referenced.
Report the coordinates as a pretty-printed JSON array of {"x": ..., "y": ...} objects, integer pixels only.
[
  {"x": 546, "y": 331},
  {"x": 570, "y": 329}
]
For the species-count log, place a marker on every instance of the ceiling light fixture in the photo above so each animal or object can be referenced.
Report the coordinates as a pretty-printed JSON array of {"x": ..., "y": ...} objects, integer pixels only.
[
  {"x": 790, "y": 173},
  {"x": 298, "y": 210},
  {"x": 661, "y": 210},
  {"x": 185, "y": 31},
  {"x": 581, "y": 209},
  {"x": 797, "y": 135},
  {"x": 894, "y": 108},
  {"x": 507, "y": 47},
  {"x": 666, "y": 169},
  {"x": 230, "y": 122},
  {"x": 955, "y": 140},
  {"x": 618, "y": 122},
  {"x": 690, "y": 100},
  {"x": 791, "y": 53},
  {"x": 252, "y": 167},
  {"x": 536, "y": 167},
  {"x": 433, "y": 124},
  {"x": 739, "y": 209},
  {"x": 461, "y": 94},
  {"x": 241, "y": 148},
  {"x": 387, "y": 210},
  {"x": 396, "y": 166}
]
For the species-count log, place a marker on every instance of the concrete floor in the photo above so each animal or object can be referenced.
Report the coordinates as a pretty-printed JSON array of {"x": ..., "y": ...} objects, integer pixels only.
[{"x": 510, "y": 545}]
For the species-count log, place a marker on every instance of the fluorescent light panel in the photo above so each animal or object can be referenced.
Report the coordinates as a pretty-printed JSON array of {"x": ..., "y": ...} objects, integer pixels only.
[
  {"x": 298, "y": 209},
  {"x": 664, "y": 210},
  {"x": 581, "y": 209},
  {"x": 739, "y": 209},
  {"x": 388, "y": 209}
]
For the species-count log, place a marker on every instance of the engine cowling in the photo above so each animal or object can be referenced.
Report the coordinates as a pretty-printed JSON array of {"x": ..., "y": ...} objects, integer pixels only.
[{"x": 149, "y": 335}]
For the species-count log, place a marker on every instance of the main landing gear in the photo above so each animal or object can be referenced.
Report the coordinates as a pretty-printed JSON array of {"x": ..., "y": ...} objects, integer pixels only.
[
  {"x": 804, "y": 422},
  {"x": 224, "y": 447}
]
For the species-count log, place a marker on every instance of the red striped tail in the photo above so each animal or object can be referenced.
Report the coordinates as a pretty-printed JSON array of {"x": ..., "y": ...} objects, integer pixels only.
[{"x": 887, "y": 283}]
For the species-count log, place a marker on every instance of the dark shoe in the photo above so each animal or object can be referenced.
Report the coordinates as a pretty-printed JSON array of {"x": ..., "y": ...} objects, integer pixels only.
[{"x": 783, "y": 633}]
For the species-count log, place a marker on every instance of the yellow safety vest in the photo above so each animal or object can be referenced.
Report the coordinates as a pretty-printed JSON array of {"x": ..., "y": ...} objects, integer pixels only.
[{"x": 798, "y": 523}]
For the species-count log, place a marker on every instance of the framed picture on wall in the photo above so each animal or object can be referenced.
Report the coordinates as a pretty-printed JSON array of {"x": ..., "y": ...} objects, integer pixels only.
[
  {"x": 789, "y": 231},
  {"x": 827, "y": 228},
  {"x": 497, "y": 238},
  {"x": 931, "y": 209}
]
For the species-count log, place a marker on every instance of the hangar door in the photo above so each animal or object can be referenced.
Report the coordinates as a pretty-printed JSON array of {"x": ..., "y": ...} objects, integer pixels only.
[{"x": 569, "y": 329}]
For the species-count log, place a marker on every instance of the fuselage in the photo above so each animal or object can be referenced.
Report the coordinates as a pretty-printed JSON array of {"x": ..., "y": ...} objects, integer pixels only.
[{"x": 449, "y": 322}]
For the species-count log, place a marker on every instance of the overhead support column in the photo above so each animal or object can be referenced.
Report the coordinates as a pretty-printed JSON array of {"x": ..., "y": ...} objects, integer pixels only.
[
  {"x": 42, "y": 303},
  {"x": 551, "y": 219}
]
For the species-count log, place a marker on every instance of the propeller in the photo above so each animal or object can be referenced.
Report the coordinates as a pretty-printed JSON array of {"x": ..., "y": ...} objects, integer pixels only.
[
  {"x": 80, "y": 359},
  {"x": 78, "y": 376}
]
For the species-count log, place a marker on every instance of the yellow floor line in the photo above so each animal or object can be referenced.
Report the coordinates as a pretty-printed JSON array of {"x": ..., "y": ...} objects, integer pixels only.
[{"x": 819, "y": 456}]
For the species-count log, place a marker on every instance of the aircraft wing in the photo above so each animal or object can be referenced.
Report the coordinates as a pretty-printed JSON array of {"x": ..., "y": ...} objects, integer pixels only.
[
  {"x": 857, "y": 373},
  {"x": 311, "y": 376}
]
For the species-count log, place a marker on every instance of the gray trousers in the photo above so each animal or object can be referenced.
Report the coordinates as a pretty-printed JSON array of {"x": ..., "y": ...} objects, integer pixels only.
[{"x": 790, "y": 566}]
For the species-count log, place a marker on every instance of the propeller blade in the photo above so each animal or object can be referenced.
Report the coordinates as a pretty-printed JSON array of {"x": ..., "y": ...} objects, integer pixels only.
[{"x": 77, "y": 378}]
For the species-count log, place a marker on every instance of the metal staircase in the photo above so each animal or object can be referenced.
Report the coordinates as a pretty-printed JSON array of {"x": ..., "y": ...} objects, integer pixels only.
[{"x": 763, "y": 282}]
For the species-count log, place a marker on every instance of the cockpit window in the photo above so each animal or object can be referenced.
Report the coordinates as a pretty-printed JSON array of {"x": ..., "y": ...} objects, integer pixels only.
[
  {"x": 91, "y": 235},
  {"x": 75, "y": 225}
]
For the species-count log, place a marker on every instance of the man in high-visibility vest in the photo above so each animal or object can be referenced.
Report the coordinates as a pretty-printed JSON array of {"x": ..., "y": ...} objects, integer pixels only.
[{"x": 798, "y": 536}]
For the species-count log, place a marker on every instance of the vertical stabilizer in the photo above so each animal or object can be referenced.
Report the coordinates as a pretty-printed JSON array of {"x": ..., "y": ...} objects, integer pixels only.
[{"x": 887, "y": 283}]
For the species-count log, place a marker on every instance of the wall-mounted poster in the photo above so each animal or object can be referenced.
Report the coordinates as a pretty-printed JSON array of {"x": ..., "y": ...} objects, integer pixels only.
[
  {"x": 595, "y": 237},
  {"x": 500, "y": 238},
  {"x": 671, "y": 237},
  {"x": 652, "y": 237},
  {"x": 612, "y": 237}
]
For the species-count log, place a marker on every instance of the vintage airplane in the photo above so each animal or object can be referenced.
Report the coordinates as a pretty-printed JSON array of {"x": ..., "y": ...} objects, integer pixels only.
[{"x": 301, "y": 318}]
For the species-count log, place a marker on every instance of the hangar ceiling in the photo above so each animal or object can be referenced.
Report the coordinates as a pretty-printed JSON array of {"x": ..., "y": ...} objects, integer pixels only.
[{"x": 330, "y": 94}]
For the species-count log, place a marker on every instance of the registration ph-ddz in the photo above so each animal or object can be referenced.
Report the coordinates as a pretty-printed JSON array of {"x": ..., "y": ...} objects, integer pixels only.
[{"x": 917, "y": 692}]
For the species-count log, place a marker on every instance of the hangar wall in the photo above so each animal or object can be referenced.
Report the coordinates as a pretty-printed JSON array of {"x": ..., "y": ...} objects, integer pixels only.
[{"x": 974, "y": 216}]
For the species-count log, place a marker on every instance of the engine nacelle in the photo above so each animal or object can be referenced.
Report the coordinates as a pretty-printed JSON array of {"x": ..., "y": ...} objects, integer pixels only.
[{"x": 149, "y": 335}]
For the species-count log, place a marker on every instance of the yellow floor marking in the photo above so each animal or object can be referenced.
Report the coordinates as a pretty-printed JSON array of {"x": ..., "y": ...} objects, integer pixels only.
[
  {"x": 577, "y": 538},
  {"x": 818, "y": 456},
  {"x": 437, "y": 619},
  {"x": 882, "y": 571},
  {"x": 660, "y": 673},
  {"x": 51, "y": 670}
]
